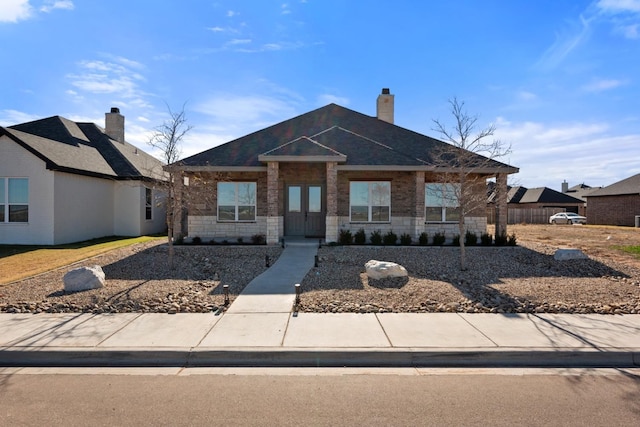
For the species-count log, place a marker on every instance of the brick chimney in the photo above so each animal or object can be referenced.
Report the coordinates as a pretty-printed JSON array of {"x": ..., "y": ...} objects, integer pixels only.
[
  {"x": 384, "y": 106},
  {"x": 114, "y": 124},
  {"x": 565, "y": 186}
]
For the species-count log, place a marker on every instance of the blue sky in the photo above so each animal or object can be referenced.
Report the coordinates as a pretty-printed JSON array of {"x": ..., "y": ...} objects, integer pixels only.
[{"x": 559, "y": 79}]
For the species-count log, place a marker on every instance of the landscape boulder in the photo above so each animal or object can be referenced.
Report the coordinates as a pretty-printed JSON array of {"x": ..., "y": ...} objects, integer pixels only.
[
  {"x": 382, "y": 269},
  {"x": 84, "y": 278},
  {"x": 565, "y": 254}
]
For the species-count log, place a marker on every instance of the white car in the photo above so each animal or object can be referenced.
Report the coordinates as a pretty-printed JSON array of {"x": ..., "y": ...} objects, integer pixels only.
[{"x": 567, "y": 218}]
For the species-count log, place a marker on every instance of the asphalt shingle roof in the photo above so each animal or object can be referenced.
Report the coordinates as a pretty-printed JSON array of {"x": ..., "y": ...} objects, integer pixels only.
[
  {"x": 83, "y": 148},
  {"x": 629, "y": 185},
  {"x": 539, "y": 195},
  {"x": 365, "y": 140}
]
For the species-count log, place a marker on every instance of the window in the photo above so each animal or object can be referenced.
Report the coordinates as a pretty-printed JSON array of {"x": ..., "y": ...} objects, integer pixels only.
[
  {"x": 236, "y": 201},
  {"x": 441, "y": 202},
  {"x": 14, "y": 200},
  {"x": 370, "y": 201},
  {"x": 148, "y": 204}
]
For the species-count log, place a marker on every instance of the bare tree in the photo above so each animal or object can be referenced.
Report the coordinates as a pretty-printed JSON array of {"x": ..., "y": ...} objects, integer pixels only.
[
  {"x": 167, "y": 138},
  {"x": 466, "y": 161}
]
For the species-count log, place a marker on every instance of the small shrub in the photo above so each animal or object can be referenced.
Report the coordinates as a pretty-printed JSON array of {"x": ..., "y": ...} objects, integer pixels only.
[
  {"x": 511, "y": 240},
  {"x": 405, "y": 239},
  {"x": 439, "y": 239},
  {"x": 390, "y": 238},
  {"x": 470, "y": 238},
  {"x": 196, "y": 240},
  {"x": 456, "y": 240},
  {"x": 225, "y": 242},
  {"x": 258, "y": 239},
  {"x": 376, "y": 237},
  {"x": 179, "y": 241},
  {"x": 345, "y": 237},
  {"x": 501, "y": 239},
  {"x": 423, "y": 239},
  {"x": 486, "y": 239},
  {"x": 360, "y": 237},
  {"x": 240, "y": 240}
]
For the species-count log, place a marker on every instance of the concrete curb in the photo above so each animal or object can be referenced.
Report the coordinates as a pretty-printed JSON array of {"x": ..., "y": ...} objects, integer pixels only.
[{"x": 328, "y": 357}]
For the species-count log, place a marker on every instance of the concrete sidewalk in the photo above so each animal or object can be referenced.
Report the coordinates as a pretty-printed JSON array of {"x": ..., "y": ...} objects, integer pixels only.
[{"x": 319, "y": 340}]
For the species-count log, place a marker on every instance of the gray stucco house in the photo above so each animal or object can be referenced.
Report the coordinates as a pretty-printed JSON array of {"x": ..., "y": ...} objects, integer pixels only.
[{"x": 328, "y": 170}]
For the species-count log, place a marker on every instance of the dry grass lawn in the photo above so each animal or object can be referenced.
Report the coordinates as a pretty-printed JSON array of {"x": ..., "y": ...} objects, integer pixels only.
[{"x": 18, "y": 262}]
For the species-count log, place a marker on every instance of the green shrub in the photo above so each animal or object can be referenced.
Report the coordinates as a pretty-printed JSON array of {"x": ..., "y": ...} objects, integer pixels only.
[
  {"x": 501, "y": 239},
  {"x": 258, "y": 239},
  {"x": 511, "y": 240},
  {"x": 196, "y": 240},
  {"x": 423, "y": 239},
  {"x": 486, "y": 239},
  {"x": 360, "y": 237},
  {"x": 470, "y": 239},
  {"x": 240, "y": 240},
  {"x": 390, "y": 238},
  {"x": 456, "y": 240},
  {"x": 405, "y": 239},
  {"x": 376, "y": 237},
  {"x": 345, "y": 237},
  {"x": 439, "y": 239}
]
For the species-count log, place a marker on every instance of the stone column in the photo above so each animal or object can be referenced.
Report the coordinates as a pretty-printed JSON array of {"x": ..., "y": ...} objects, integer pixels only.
[
  {"x": 419, "y": 225},
  {"x": 331, "y": 227},
  {"x": 273, "y": 223},
  {"x": 501, "y": 204}
]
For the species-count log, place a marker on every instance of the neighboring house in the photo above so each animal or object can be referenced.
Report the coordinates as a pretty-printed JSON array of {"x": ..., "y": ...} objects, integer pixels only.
[
  {"x": 616, "y": 204},
  {"x": 536, "y": 205},
  {"x": 63, "y": 182},
  {"x": 580, "y": 191},
  {"x": 329, "y": 170}
]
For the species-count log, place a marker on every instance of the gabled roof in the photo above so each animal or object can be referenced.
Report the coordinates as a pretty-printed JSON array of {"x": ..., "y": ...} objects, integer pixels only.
[
  {"x": 627, "y": 186},
  {"x": 539, "y": 195},
  {"x": 83, "y": 148},
  {"x": 332, "y": 130}
]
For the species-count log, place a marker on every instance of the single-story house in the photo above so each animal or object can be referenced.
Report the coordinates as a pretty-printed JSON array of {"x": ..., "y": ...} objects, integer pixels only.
[
  {"x": 536, "y": 205},
  {"x": 63, "y": 181},
  {"x": 616, "y": 204},
  {"x": 328, "y": 170}
]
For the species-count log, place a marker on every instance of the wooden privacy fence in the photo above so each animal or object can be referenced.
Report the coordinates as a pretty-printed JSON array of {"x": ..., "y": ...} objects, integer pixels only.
[{"x": 525, "y": 216}]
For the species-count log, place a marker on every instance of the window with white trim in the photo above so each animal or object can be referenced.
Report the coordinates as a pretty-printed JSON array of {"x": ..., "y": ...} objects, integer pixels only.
[
  {"x": 14, "y": 200},
  {"x": 236, "y": 201},
  {"x": 441, "y": 202},
  {"x": 370, "y": 201},
  {"x": 148, "y": 204}
]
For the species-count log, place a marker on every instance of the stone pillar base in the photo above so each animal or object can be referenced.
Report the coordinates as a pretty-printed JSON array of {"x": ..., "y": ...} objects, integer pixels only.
[
  {"x": 331, "y": 230},
  {"x": 273, "y": 230}
]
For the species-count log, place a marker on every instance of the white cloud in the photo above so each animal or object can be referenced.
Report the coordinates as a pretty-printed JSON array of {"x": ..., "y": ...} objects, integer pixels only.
[
  {"x": 231, "y": 13},
  {"x": 15, "y": 10},
  {"x": 118, "y": 78},
  {"x": 524, "y": 95},
  {"x": 578, "y": 152},
  {"x": 602, "y": 85},
  {"x": 631, "y": 31},
  {"x": 216, "y": 29},
  {"x": 285, "y": 9},
  {"x": 615, "y": 6},
  {"x": 14, "y": 117},
  {"x": 51, "y": 5},
  {"x": 327, "y": 98}
]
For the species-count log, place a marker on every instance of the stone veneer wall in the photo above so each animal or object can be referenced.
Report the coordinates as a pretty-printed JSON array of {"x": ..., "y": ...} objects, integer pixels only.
[{"x": 207, "y": 228}]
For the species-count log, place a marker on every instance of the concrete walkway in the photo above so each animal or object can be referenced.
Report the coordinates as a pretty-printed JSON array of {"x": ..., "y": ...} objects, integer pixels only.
[
  {"x": 319, "y": 340},
  {"x": 273, "y": 291}
]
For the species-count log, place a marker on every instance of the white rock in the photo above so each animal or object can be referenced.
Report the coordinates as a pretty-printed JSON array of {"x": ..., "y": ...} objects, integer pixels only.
[
  {"x": 84, "y": 278},
  {"x": 565, "y": 254},
  {"x": 382, "y": 269}
]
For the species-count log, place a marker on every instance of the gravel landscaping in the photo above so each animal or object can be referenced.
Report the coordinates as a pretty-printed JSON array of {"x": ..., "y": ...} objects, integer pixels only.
[{"x": 525, "y": 278}]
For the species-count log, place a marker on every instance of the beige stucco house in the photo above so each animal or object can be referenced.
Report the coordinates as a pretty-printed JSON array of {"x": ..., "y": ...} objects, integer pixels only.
[
  {"x": 63, "y": 181},
  {"x": 329, "y": 170}
]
